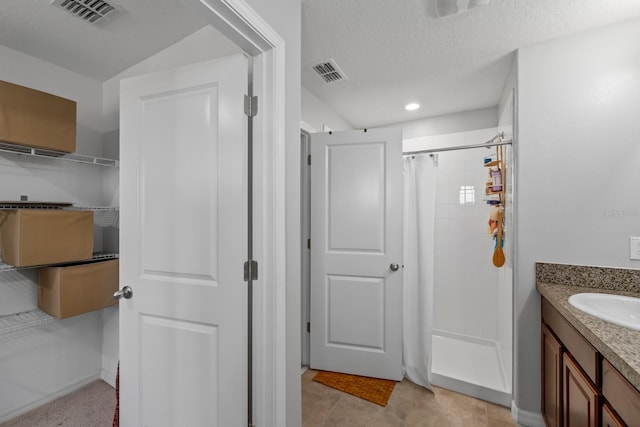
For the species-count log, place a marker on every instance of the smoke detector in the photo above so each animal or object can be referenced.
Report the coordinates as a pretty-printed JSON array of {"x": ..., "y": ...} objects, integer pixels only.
[
  {"x": 454, "y": 7},
  {"x": 92, "y": 11},
  {"x": 329, "y": 71}
]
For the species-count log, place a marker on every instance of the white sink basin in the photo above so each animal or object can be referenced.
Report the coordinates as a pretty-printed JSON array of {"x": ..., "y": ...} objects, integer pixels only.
[{"x": 618, "y": 309}]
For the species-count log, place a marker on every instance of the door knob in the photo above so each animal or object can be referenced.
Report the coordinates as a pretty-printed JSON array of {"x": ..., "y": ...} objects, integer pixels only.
[
  {"x": 125, "y": 293},
  {"x": 394, "y": 266}
]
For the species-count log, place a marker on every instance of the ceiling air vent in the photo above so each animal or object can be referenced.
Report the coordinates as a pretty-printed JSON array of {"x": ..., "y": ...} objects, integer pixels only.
[
  {"x": 329, "y": 71},
  {"x": 92, "y": 11},
  {"x": 454, "y": 7}
]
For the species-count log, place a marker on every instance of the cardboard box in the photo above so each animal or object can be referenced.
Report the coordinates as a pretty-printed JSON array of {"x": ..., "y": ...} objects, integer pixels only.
[
  {"x": 66, "y": 291},
  {"x": 30, "y": 237},
  {"x": 37, "y": 119}
]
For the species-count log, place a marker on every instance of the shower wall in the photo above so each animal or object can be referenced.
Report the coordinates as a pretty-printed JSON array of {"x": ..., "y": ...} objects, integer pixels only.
[
  {"x": 466, "y": 282},
  {"x": 472, "y": 297}
]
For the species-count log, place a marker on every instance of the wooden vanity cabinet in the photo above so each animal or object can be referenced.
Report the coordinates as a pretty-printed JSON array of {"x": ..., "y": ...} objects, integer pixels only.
[
  {"x": 579, "y": 387},
  {"x": 585, "y": 355},
  {"x": 621, "y": 395},
  {"x": 570, "y": 374},
  {"x": 580, "y": 397},
  {"x": 551, "y": 379},
  {"x": 609, "y": 417}
]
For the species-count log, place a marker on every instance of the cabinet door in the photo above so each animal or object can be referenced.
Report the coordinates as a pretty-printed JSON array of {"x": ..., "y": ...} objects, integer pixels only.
[
  {"x": 621, "y": 395},
  {"x": 580, "y": 396},
  {"x": 609, "y": 417},
  {"x": 551, "y": 379}
]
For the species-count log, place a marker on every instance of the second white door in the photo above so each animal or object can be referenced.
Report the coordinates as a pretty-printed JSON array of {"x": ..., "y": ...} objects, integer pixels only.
[{"x": 356, "y": 252}]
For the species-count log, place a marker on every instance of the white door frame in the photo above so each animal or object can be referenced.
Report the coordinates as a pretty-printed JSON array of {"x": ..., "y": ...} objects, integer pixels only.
[
  {"x": 305, "y": 197},
  {"x": 244, "y": 26},
  {"x": 305, "y": 233}
]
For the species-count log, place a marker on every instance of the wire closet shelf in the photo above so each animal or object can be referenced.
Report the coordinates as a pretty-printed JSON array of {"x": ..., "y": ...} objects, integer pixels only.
[{"x": 6, "y": 147}]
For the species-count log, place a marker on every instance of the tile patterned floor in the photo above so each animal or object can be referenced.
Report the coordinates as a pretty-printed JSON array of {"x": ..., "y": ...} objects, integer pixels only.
[{"x": 409, "y": 406}]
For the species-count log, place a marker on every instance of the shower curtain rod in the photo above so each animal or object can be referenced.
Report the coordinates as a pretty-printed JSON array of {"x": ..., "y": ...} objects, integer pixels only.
[{"x": 488, "y": 144}]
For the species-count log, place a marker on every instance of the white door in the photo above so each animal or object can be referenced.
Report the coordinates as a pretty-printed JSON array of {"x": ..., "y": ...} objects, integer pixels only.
[
  {"x": 183, "y": 345},
  {"x": 356, "y": 252}
]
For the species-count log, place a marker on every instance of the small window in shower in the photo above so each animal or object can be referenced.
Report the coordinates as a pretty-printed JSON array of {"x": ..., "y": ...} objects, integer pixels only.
[{"x": 467, "y": 194}]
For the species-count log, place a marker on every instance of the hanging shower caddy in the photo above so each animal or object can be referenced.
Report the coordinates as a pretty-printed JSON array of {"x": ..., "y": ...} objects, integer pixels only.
[{"x": 495, "y": 185}]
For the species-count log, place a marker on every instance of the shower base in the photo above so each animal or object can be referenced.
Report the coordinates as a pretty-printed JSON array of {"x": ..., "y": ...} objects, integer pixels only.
[{"x": 470, "y": 366}]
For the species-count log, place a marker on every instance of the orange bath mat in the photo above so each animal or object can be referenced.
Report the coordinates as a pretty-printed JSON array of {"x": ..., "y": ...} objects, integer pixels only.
[{"x": 372, "y": 389}]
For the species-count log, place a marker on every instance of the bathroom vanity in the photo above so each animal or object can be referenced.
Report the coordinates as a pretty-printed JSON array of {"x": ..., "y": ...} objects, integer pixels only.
[{"x": 590, "y": 367}]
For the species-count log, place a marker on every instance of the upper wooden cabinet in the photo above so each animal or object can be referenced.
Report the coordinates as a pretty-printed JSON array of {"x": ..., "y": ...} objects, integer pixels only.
[{"x": 36, "y": 119}]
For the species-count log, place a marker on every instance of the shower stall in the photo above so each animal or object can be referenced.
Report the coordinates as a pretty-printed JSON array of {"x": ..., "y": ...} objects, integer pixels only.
[{"x": 472, "y": 309}]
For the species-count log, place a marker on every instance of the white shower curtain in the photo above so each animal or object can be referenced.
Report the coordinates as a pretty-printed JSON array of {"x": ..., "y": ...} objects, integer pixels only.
[{"x": 419, "y": 219}]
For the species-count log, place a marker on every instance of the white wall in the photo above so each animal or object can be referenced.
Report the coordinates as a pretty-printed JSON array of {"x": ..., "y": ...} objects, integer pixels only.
[
  {"x": 315, "y": 113},
  {"x": 38, "y": 364},
  {"x": 450, "y": 123},
  {"x": 577, "y": 169}
]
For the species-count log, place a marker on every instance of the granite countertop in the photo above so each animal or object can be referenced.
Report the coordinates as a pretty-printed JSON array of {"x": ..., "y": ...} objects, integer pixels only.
[{"x": 619, "y": 345}]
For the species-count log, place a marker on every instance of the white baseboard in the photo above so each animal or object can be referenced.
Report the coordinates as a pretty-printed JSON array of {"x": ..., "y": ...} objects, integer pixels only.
[
  {"x": 526, "y": 418},
  {"x": 108, "y": 377},
  {"x": 109, "y": 370},
  {"x": 48, "y": 398}
]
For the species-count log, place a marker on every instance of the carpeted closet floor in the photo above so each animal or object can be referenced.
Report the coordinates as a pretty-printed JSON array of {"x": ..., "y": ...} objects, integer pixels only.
[{"x": 92, "y": 405}]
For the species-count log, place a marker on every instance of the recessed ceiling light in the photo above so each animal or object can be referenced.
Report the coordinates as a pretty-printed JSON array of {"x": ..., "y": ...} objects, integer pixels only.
[{"x": 412, "y": 106}]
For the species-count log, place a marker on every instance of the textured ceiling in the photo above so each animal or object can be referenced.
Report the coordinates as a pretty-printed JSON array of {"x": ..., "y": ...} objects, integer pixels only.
[
  {"x": 97, "y": 51},
  {"x": 394, "y": 52}
]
